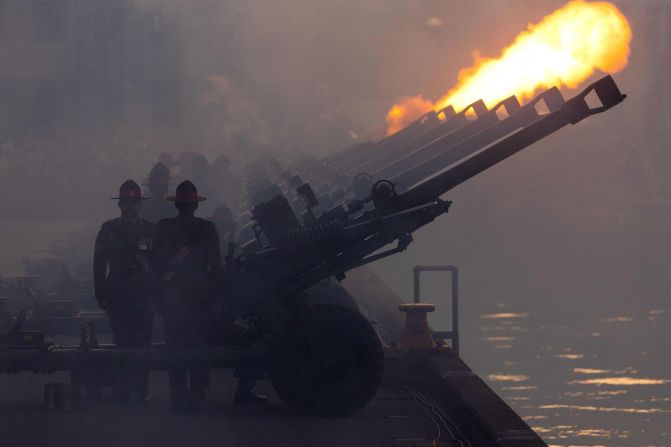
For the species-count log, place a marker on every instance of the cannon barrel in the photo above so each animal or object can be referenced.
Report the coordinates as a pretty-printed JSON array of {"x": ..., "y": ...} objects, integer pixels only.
[
  {"x": 347, "y": 152},
  {"x": 430, "y": 148},
  {"x": 574, "y": 110},
  {"x": 440, "y": 154},
  {"x": 356, "y": 157},
  {"x": 453, "y": 129},
  {"x": 424, "y": 122},
  {"x": 416, "y": 163}
]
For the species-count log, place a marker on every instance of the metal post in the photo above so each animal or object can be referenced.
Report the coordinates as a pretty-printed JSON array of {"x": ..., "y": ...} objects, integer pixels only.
[{"x": 417, "y": 270}]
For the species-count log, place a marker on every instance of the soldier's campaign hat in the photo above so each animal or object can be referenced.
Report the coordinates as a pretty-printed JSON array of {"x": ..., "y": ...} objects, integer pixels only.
[
  {"x": 129, "y": 190},
  {"x": 186, "y": 192}
]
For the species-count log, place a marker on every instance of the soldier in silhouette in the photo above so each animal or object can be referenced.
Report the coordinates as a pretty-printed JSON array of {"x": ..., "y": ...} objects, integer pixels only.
[
  {"x": 121, "y": 261},
  {"x": 188, "y": 266}
]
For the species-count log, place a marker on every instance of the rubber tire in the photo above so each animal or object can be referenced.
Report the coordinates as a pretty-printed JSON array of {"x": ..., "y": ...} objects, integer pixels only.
[{"x": 328, "y": 362}]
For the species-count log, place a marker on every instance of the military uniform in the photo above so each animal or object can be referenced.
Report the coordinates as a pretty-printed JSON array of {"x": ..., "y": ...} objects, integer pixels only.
[
  {"x": 188, "y": 266},
  {"x": 121, "y": 262}
]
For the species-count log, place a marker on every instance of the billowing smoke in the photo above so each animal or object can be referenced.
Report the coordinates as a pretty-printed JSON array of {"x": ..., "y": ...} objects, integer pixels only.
[{"x": 231, "y": 121}]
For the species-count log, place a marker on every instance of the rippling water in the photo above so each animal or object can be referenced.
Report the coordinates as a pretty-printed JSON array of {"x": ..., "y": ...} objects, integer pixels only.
[{"x": 573, "y": 385}]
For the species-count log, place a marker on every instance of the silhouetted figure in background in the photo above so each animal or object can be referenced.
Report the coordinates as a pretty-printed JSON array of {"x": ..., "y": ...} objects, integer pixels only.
[
  {"x": 166, "y": 159},
  {"x": 188, "y": 267},
  {"x": 201, "y": 173},
  {"x": 121, "y": 261},
  {"x": 226, "y": 182},
  {"x": 158, "y": 183},
  {"x": 226, "y": 227}
]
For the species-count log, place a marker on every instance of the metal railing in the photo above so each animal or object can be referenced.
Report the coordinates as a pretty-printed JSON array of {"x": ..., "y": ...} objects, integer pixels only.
[{"x": 452, "y": 335}]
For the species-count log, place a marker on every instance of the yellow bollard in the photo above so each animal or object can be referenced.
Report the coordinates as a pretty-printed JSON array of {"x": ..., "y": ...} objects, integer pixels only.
[{"x": 417, "y": 333}]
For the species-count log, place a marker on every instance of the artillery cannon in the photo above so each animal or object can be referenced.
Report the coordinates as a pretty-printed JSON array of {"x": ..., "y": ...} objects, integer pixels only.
[
  {"x": 322, "y": 356},
  {"x": 292, "y": 257}
]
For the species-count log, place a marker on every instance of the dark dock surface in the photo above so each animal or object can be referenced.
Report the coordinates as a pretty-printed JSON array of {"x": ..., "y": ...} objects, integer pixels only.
[{"x": 428, "y": 398}]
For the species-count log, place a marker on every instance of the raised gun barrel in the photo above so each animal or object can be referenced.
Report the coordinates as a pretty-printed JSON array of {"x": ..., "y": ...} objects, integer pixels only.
[
  {"x": 361, "y": 154},
  {"x": 573, "y": 111},
  {"x": 455, "y": 128},
  {"x": 457, "y": 137},
  {"x": 442, "y": 152}
]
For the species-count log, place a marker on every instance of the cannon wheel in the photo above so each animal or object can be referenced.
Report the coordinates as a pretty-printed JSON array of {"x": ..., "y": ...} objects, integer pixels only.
[{"x": 328, "y": 362}]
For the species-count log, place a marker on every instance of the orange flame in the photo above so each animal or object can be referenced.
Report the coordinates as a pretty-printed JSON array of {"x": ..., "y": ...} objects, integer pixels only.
[{"x": 563, "y": 49}]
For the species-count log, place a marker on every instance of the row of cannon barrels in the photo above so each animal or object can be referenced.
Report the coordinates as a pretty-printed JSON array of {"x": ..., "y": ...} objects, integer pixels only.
[
  {"x": 431, "y": 145},
  {"x": 455, "y": 142}
]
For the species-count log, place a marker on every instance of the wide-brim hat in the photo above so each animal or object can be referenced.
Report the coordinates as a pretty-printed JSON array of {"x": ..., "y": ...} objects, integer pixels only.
[
  {"x": 129, "y": 190},
  {"x": 186, "y": 192}
]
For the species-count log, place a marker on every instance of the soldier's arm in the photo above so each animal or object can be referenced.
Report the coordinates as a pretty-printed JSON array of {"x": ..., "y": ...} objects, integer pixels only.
[{"x": 100, "y": 261}]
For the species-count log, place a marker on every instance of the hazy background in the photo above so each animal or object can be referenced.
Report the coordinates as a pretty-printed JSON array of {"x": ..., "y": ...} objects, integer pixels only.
[{"x": 572, "y": 234}]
